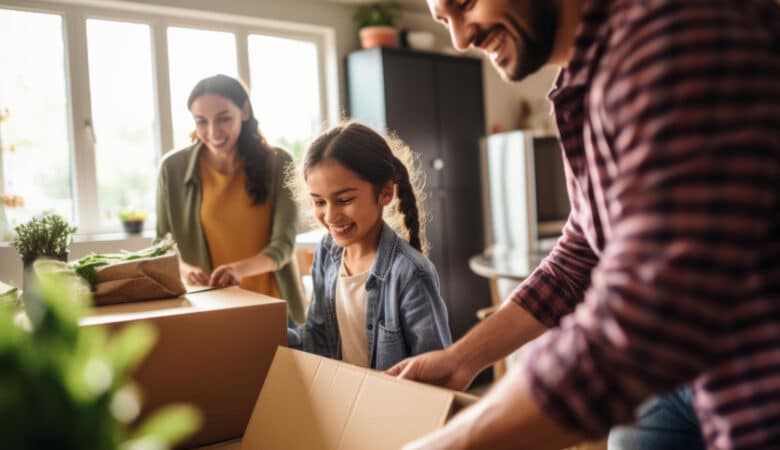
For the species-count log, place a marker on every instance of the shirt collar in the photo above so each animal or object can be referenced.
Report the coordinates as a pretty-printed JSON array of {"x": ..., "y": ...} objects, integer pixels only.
[
  {"x": 586, "y": 51},
  {"x": 192, "y": 164},
  {"x": 388, "y": 241}
]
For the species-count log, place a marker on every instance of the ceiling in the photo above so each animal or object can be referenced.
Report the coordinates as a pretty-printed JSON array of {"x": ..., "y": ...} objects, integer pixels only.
[{"x": 411, "y": 5}]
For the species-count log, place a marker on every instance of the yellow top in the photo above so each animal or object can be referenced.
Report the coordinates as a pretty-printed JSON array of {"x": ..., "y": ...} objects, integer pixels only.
[{"x": 234, "y": 228}]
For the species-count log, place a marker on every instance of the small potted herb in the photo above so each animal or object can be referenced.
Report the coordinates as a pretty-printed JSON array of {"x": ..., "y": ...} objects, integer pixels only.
[
  {"x": 132, "y": 220},
  {"x": 376, "y": 24},
  {"x": 48, "y": 235}
]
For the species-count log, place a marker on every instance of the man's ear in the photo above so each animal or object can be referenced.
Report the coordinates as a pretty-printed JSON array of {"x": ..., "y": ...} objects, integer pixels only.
[
  {"x": 245, "y": 111},
  {"x": 387, "y": 193}
]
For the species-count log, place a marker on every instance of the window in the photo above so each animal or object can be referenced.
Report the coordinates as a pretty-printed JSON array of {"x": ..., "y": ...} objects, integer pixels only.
[
  {"x": 97, "y": 94},
  {"x": 282, "y": 92},
  {"x": 193, "y": 55},
  {"x": 122, "y": 99},
  {"x": 34, "y": 138}
]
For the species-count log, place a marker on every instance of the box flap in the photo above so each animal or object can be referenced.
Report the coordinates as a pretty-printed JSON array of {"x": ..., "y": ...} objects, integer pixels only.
[
  {"x": 189, "y": 303},
  {"x": 314, "y": 403}
]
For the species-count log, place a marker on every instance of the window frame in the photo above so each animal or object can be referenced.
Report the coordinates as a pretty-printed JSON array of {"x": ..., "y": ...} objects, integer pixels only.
[{"x": 74, "y": 15}]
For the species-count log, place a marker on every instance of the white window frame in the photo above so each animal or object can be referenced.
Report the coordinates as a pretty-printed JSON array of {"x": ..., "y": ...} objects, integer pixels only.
[{"x": 74, "y": 15}]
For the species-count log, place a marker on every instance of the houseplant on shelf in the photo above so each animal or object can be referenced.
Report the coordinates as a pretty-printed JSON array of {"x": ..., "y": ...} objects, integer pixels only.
[
  {"x": 376, "y": 24},
  {"x": 66, "y": 386},
  {"x": 132, "y": 220},
  {"x": 48, "y": 235}
]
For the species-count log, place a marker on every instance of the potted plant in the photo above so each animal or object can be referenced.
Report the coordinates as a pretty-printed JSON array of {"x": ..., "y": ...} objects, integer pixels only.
[
  {"x": 48, "y": 235},
  {"x": 376, "y": 24},
  {"x": 132, "y": 220},
  {"x": 66, "y": 386}
]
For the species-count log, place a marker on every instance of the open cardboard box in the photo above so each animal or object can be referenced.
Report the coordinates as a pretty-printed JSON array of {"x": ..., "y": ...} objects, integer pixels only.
[
  {"x": 313, "y": 403},
  {"x": 213, "y": 351}
]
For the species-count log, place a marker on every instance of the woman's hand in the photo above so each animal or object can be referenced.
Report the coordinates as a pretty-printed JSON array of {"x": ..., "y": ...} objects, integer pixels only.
[
  {"x": 193, "y": 275},
  {"x": 225, "y": 275}
]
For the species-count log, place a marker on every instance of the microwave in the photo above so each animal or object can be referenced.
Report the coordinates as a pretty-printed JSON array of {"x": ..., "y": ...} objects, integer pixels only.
[{"x": 524, "y": 190}]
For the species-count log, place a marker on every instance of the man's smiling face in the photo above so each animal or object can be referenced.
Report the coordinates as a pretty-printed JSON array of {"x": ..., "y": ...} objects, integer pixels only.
[{"x": 517, "y": 35}]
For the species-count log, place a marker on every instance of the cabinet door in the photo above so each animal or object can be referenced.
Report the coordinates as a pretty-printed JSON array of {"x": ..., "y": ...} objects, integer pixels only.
[
  {"x": 461, "y": 120},
  {"x": 410, "y": 102},
  {"x": 436, "y": 232},
  {"x": 468, "y": 292}
]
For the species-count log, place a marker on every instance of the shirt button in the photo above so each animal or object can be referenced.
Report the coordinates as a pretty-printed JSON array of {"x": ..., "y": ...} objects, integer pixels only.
[{"x": 370, "y": 327}]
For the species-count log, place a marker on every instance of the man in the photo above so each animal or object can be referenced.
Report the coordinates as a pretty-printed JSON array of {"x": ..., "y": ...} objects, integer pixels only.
[{"x": 668, "y": 269}]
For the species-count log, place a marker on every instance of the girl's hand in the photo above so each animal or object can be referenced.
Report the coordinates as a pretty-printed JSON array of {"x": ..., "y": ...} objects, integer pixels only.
[
  {"x": 193, "y": 275},
  {"x": 225, "y": 275}
]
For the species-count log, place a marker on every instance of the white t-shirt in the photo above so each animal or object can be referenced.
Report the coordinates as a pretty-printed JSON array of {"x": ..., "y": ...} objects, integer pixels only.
[{"x": 351, "y": 301}]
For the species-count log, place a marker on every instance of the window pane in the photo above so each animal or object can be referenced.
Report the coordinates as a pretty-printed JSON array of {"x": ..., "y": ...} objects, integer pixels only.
[
  {"x": 123, "y": 114},
  {"x": 193, "y": 55},
  {"x": 285, "y": 90},
  {"x": 35, "y": 161}
]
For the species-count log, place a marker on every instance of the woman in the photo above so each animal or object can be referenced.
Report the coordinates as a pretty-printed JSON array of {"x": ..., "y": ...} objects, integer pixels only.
[{"x": 224, "y": 201}]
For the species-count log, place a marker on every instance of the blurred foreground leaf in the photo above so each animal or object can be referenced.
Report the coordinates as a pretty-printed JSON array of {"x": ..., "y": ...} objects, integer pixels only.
[{"x": 63, "y": 386}]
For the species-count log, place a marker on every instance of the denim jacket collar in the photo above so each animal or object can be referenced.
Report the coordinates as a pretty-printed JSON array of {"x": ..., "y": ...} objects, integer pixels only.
[{"x": 388, "y": 241}]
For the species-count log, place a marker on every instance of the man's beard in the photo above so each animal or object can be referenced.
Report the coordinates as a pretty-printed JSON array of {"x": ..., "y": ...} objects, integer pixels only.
[{"x": 532, "y": 54}]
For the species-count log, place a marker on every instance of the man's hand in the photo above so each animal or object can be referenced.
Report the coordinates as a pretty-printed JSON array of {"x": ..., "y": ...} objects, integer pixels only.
[
  {"x": 224, "y": 276},
  {"x": 441, "y": 367},
  {"x": 455, "y": 367},
  {"x": 505, "y": 418}
]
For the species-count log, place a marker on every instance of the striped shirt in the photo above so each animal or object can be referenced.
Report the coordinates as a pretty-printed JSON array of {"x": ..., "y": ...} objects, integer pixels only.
[{"x": 668, "y": 269}]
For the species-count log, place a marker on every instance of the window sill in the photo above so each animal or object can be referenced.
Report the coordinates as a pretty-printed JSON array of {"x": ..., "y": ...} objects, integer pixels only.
[{"x": 99, "y": 237}]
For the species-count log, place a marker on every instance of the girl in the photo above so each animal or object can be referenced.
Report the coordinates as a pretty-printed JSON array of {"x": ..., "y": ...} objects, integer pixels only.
[
  {"x": 224, "y": 201},
  {"x": 375, "y": 296}
]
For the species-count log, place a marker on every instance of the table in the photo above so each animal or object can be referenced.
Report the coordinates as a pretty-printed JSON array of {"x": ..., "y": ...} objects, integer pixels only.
[{"x": 502, "y": 263}]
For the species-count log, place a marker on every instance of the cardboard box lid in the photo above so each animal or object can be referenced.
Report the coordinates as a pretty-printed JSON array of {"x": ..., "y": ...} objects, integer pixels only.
[{"x": 314, "y": 403}]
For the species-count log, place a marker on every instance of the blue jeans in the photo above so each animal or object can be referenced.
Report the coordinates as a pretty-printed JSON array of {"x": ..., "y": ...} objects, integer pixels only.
[{"x": 663, "y": 423}]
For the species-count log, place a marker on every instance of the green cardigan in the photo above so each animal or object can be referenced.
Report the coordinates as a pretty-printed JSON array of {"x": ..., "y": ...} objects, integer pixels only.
[{"x": 178, "y": 213}]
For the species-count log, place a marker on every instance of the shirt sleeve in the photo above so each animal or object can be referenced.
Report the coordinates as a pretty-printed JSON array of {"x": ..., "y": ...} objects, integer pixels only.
[
  {"x": 425, "y": 322},
  {"x": 694, "y": 130},
  {"x": 162, "y": 205},
  {"x": 555, "y": 288},
  {"x": 284, "y": 228}
]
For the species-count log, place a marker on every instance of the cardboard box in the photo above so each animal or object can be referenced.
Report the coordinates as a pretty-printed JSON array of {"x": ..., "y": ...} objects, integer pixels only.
[
  {"x": 214, "y": 350},
  {"x": 313, "y": 403}
]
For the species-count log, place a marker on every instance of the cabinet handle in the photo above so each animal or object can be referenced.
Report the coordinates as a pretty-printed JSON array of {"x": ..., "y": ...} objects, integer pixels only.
[{"x": 437, "y": 164}]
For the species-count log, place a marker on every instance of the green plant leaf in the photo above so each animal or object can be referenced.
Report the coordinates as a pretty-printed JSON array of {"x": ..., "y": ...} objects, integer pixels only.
[
  {"x": 169, "y": 425},
  {"x": 46, "y": 235},
  {"x": 130, "y": 345},
  {"x": 381, "y": 13}
]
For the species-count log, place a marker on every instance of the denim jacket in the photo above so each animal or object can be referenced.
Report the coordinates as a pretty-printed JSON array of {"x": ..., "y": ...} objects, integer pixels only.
[{"x": 405, "y": 314}]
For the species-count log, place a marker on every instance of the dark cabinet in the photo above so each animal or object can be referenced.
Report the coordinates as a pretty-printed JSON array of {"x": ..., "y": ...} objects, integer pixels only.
[{"x": 435, "y": 104}]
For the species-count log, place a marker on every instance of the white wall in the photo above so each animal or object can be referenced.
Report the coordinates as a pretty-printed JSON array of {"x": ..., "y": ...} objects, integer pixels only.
[{"x": 502, "y": 100}]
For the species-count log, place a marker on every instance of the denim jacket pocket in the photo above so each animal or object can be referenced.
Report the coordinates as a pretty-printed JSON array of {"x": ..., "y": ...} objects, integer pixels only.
[{"x": 390, "y": 347}]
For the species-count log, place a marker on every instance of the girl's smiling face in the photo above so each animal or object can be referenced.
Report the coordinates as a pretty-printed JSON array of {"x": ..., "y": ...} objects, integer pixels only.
[{"x": 347, "y": 205}]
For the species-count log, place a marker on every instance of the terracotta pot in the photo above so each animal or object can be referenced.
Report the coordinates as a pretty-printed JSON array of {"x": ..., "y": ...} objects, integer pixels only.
[{"x": 378, "y": 36}]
